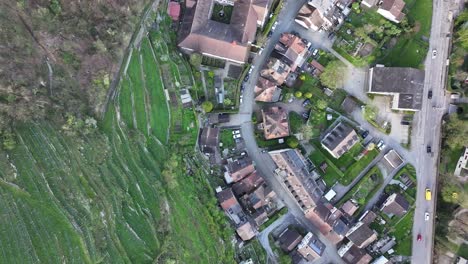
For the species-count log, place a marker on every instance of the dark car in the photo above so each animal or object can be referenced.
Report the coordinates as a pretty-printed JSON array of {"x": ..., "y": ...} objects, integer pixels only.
[
  {"x": 428, "y": 149},
  {"x": 306, "y": 103},
  {"x": 419, "y": 237},
  {"x": 429, "y": 95},
  {"x": 305, "y": 115},
  {"x": 364, "y": 134}
]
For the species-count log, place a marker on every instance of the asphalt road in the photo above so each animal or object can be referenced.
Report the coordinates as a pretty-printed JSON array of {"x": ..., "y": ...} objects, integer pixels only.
[
  {"x": 264, "y": 163},
  {"x": 428, "y": 129}
]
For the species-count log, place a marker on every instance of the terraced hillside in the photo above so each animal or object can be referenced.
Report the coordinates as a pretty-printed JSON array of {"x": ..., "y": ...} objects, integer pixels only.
[{"x": 129, "y": 191}]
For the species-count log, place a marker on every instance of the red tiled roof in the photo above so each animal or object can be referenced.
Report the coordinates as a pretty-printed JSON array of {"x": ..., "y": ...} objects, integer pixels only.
[{"x": 173, "y": 9}]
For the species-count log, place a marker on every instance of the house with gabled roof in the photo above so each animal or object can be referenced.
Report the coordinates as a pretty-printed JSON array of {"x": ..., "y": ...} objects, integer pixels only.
[
  {"x": 266, "y": 91},
  {"x": 229, "y": 38},
  {"x": 392, "y": 10},
  {"x": 340, "y": 140},
  {"x": 275, "y": 122}
]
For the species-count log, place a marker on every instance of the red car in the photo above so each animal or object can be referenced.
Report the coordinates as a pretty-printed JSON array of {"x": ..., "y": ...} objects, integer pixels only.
[{"x": 419, "y": 238}]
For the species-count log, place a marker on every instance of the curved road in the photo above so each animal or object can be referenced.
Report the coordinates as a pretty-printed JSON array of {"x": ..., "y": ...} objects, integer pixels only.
[{"x": 263, "y": 161}]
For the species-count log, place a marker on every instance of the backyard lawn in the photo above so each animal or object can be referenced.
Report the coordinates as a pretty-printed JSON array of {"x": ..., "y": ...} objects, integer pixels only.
[
  {"x": 295, "y": 122},
  {"x": 365, "y": 188},
  {"x": 411, "y": 49},
  {"x": 402, "y": 232},
  {"x": 225, "y": 137}
]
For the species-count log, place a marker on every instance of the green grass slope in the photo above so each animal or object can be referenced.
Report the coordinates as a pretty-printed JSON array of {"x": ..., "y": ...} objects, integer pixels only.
[{"x": 115, "y": 194}]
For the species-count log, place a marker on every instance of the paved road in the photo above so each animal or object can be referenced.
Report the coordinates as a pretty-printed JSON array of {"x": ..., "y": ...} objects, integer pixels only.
[
  {"x": 264, "y": 163},
  {"x": 428, "y": 129},
  {"x": 284, "y": 221}
]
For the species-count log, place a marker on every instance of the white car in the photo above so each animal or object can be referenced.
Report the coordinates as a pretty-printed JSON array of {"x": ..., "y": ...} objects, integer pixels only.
[
  {"x": 426, "y": 216},
  {"x": 236, "y": 136},
  {"x": 274, "y": 26},
  {"x": 380, "y": 144},
  {"x": 260, "y": 51},
  {"x": 434, "y": 53}
]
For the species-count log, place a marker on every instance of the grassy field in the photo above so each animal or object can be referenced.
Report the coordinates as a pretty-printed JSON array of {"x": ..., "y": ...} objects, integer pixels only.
[
  {"x": 411, "y": 49},
  {"x": 365, "y": 188},
  {"x": 114, "y": 194}
]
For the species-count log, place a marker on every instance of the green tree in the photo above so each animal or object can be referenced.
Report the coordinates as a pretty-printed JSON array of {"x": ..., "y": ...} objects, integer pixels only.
[
  {"x": 302, "y": 77},
  {"x": 196, "y": 60},
  {"x": 292, "y": 142},
  {"x": 298, "y": 94},
  {"x": 333, "y": 75},
  {"x": 9, "y": 140},
  {"x": 322, "y": 104},
  {"x": 370, "y": 112},
  {"x": 306, "y": 131},
  {"x": 227, "y": 102},
  {"x": 207, "y": 106},
  {"x": 450, "y": 193},
  {"x": 455, "y": 132},
  {"x": 211, "y": 74},
  {"x": 308, "y": 95}
]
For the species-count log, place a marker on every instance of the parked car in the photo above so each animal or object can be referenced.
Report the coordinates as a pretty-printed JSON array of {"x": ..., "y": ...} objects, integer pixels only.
[
  {"x": 305, "y": 115},
  {"x": 364, "y": 134},
  {"x": 429, "y": 94},
  {"x": 315, "y": 52},
  {"x": 405, "y": 122},
  {"x": 274, "y": 26},
  {"x": 380, "y": 144},
  {"x": 247, "y": 77},
  {"x": 306, "y": 102},
  {"x": 236, "y": 136},
  {"x": 426, "y": 216},
  {"x": 434, "y": 53},
  {"x": 235, "y": 132}
]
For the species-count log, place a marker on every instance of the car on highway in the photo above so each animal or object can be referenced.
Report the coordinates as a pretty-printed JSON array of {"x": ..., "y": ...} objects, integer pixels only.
[
  {"x": 429, "y": 94},
  {"x": 426, "y": 216},
  {"x": 434, "y": 53},
  {"x": 419, "y": 237},
  {"x": 428, "y": 194},
  {"x": 428, "y": 149}
]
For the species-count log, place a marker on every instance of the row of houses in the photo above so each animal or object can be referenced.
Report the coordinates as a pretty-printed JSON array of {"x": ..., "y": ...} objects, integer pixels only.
[
  {"x": 248, "y": 201},
  {"x": 336, "y": 224}
]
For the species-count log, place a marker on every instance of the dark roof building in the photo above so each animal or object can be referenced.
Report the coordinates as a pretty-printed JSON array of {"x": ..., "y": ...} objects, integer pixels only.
[
  {"x": 209, "y": 139},
  {"x": 395, "y": 204},
  {"x": 339, "y": 140},
  {"x": 354, "y": 255},
  {"x": 289, "y": 239},
  {"x": 368, "y": 217},
  {"x": 248, "y": 184},
  {"x": 406, "y": 85},
  {"x": 361, "y": 235},
  {"x": 239, "y": 169}
]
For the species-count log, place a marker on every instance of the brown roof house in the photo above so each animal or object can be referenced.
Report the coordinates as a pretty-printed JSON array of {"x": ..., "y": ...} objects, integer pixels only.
[
  {"x": 289, "y": 239},
  {"x": 349, "y": 208},
  {"x": 405, "y": 85},
  {"x": 311, "y": 248},
  {"x": 361, "y": 235},
  {"x": 292, "y": 49},
  {"x": 318, "y": 68},
  {"x": 275, "y": 122},
  {"x": 261, "y": 7},
  {"x": 368, "y": 217},
  {"x": 248, "y": 184},
  {"x": 276, "y": 70},
  {"x": 266, "y": 91},
  {"x": 392, "y": 10},
  {"x": 339, "y": 140},
  {"x": 209, "y": 30},
  {"x": 259, "y": 198},
  {"x": 238, "y": 169},
  {"x": 310, "y": 18},
  {"x": 395, "y": 204},
  {"x": 209, "y": 139},
  {"x": 234, "y": 211},
  {"x": 353, "y": 255}
]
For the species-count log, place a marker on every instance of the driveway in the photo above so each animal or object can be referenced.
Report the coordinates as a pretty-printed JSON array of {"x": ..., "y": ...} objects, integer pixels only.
[{"x": 283, "y": 222}]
